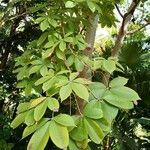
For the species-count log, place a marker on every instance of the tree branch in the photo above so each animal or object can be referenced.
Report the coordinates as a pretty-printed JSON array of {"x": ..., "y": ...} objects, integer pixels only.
[
  {"x": 134, "y": 31},
  {"x": 90, "y": 39},
  {"x": 118, "y": 10},
  {"x": 123, "y": 29}
]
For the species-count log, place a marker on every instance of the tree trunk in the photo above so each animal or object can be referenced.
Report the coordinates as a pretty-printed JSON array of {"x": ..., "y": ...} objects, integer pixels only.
[{"x": 90, "y": 39}]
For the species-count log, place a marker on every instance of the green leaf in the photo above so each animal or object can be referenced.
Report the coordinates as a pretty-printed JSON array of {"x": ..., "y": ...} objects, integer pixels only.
[
  {"x": 109, "y": 111},
  {"x": 83, "y": 144},
  {"x": 40, "y": 138},
  {"x": 53, "y": 22},
  {"x": 93, "y": 110},
  {"x": 79, "y": 133},
  {"x": 72, "y": 145},
  {"x": 62, "y": 46},
  {"x": 104, "y": 124},
  {"x": 109, "y": 65},
  {"x": 70, "y": 60},
  {"x": 22, "y": 84},
  {"x": 35, "y": 69},
  {"x": 40, "y": 110},
  {"x": 117, "y": 82},
  {"x": 94, "y": 131},
  {"x": 70, "y": 4},
  {"x": 42, "y": 80},
  {"x": 98, "y": 64},
  {"x": 91, "y": 5},
  {"x": 18, "y": 120},
  {"x": 36, "y": 62},
  {"x": 73, "y": 75},
  {"x": 65, "y": 92},
  {"x": 36, "y": 101},
  {"x": 28, "y": 89},
  {"x": 60, "y": 54},
  {"x": 47, "y": 85},
  {"x": 62, "y": 81},
  {"x": 48, "y": 52},
  {"x": 44, "y": 25},
  {"x": 64, "y": 120},
  {"x": 125, "y": 93},
  {"x": 44, "y": 71},
  {"x": 30, "y": 129},
  {"x": 63, "y": 72},
  {"x": 42, "y": 38},
  {"x": 29, "y": 119},
  {"x": 23, "y": 107},
  {"x": 68, "y": 39},
  {"x": 82, "y": 81},
  {"x": 118, "y": 101},
  {"x": 80, "y": 90},
  {"x": 53, "y": 104},
  {"x": 97, "y": 90},
  {"x": 78, "y": 65},
  {"x": 59, "y": 135}
]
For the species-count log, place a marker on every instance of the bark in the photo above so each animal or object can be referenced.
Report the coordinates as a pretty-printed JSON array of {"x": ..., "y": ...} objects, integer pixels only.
[
  {"x": 118, "y": 44},
  {"x": 123, "y": 29},
  {"x": 126, "y": 18},
  {"x": 90, "y": 39}
]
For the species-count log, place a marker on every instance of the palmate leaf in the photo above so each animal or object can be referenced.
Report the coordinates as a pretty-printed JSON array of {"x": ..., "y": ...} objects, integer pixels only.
[
  {"x": 109, "y": 65},
  {"x": 42, "y": 38},
  {"x": 73, "y": 76},
  {"x": 118, "y": 101},
  {"x": 64, "y": 120},
  {"x": 35, "y": 69},
  {"x": 36, "y": 102},
  {"x": 47, "y": 85},
  {"x": 44, "y": 25},
  {"x": 125, "y": 93},
  {"x": 97, "y": 90},
  {"x": 91, "y": 6},
  {"x": 80, "y": 90},
  {"x": 29, "y": 119},
  {"x": 117, "y": 82},
  {"x": 93, "y": 110},
  {"x": 70, "y": 4},
  {"x": 53, "y": 104},
  {"x": 82, "y": 144},
  {"x": 62, "y": 45},
  {"x": 18, "y": 120},
  {"x": 79, "y": 133},
  {"x": 78, "y": 64},
  {"x": 82, "y": 81},
  {"x": 23, "y": 107},
  {"x": 30, "y": 129},
  {"x": 72, "y": 145},
  {"x": 44, "y": 70},
  {"x": 59, "y": 135},
  {"x": 40, "y": 110},
  {"x": 65, "y": 92},
  {"x": 94, "y": 131},
  {"x": 40, "y": 138},
  {"x": 109, "y": 111}
]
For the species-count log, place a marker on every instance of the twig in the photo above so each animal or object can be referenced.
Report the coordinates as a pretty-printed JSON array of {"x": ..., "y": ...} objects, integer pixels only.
[
  {"x": 134, "y": 31},
  {"x": 78, "y": 107},
  {"x": 17, "y": 16},
  {"x": 70, "y": 111},
  {"x": 118, "y": 10}
]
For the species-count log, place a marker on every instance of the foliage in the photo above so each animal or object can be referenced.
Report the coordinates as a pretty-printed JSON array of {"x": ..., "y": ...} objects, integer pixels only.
[
  {"x": 49, "y": 73},
  {"x": 37, "y": 70}
]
